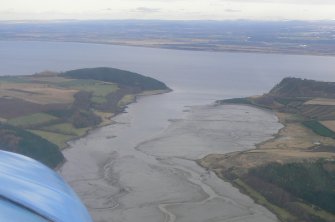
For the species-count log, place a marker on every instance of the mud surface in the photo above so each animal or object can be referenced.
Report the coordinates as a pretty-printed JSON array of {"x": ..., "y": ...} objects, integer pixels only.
[{"x": 143, "y": 168}]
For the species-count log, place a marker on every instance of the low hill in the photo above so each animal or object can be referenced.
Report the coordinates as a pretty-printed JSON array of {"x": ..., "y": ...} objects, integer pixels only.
[
  {"x": 310, "y": 99},
  {"x": 293, "y": 173},
  {"x": 296, "y": 87},
  {"x": 118, "y": 76}
]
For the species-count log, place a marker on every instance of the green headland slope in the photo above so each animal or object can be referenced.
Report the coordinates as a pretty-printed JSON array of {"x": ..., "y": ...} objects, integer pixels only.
[
  {"x": 41, "y": 112},
  {"x": 292, "y": 174}
]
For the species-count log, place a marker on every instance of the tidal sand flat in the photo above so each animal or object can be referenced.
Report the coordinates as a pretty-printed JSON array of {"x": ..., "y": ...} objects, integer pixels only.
[{"x": 143, "y": 167}]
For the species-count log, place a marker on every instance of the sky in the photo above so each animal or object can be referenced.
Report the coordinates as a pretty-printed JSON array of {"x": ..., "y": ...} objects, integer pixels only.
[{"x": 168, "y": 9}]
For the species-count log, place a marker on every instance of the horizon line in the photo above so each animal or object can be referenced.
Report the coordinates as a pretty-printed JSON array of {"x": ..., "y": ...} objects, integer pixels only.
[{"x": 167, "y": 20}]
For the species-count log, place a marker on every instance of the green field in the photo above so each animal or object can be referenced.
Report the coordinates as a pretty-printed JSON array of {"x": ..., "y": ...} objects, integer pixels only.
[
  {"x": 127, "y": 99},
  {"x": 98, "y": 99},
  {"x": 59, "y": 134},
  {"x": 98, "y": 88},
  {"x": 41, "y": 112},
  {"x": 32, "y": 120},
  {"x": 55, "y": 138},
  {"x": 66, "y": 129}
]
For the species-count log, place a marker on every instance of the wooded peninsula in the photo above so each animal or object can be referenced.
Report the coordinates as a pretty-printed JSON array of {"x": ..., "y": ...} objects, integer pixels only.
[{"x": 40, "y": 113}]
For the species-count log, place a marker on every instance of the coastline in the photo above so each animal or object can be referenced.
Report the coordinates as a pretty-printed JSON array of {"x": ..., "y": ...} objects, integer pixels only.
[
  {"x": 231, "y": 167},
  {"x": 237, "y": 183},
  {"x": 144, "y": 168},
  {"x": 230, "y": 50},
  {"x": 104, "y": 124}
]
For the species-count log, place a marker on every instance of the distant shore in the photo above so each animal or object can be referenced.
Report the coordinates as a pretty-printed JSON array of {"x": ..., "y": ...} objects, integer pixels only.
[
  {"x": 248, "y": 36},
  {"x": 227, "y": 49}
]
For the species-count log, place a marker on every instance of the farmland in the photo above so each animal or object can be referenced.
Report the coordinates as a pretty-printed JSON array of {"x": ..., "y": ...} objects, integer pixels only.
[
  {"x": 291, "y": 174},
  {"x": 59, "y": 107}
]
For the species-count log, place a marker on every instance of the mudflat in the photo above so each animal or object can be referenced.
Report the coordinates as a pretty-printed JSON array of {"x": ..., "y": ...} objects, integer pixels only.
[
  {"x": 285, "y": 173},
  {"x": 138, "y": 170}
]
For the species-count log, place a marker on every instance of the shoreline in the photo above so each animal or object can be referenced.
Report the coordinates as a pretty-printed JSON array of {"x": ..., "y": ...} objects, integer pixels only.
[
  {"x": 186, "y": 49},
  {"x": 230, "y": 167},
  {"x": 117, "y": 172},
  {"x": 246, "y": 189},
  {"x": 58, "y": 168}
]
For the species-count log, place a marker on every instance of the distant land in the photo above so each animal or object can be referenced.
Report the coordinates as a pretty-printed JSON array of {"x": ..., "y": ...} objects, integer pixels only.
[
  {"x": 292, "y": 174},
  {"x": 292, "y": 37},
  {"x": 41, "y": 112}
]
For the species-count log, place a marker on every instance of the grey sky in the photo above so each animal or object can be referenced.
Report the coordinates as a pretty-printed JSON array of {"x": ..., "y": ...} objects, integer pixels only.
[{"x": 168, "y": 9}]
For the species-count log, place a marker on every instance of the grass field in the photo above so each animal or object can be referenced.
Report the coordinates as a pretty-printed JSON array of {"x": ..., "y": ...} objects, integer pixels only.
[
  {"x": 99, "y": 89},
  {"x": 127, "y": 99},
  {"x": 56, "y": 138},
  {"x": 32, "y": 120},
  {"x": 39, "y": 93},
  {"x": 66, "y": 129},
  {"x": 43, "y": 110},
  {"x": 47, "y": 79},
  {"x": 105, "y": 117},
  {"x": 54, "y": 89},
  {"x": 98, "y": 99}
]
